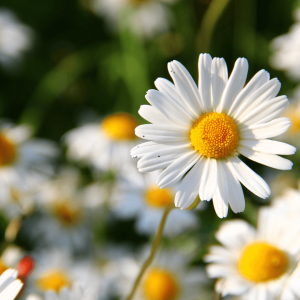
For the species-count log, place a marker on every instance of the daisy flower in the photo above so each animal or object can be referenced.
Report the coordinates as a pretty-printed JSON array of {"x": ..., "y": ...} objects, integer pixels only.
[
  {"x": 75, "y": 293},
  {"x": 105, "y": 145},
  {"x": 138, "y": 196},
  {"x": 286, "y": 47},
  {"x": 142, "y": 17},
  {"x": 24, "y": 164},
  {"x": 55, "y": 271},
  {"x": 15, "y": 38},
  {"x": 198, "y": 133},
  {"x": 66, "y": 222},
  {"x": 255, "y": 263},
  {"x": 168, "y": 278},
  {"x": 10, "y": 286}
]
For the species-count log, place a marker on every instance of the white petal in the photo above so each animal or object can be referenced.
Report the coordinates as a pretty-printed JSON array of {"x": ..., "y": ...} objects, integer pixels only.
[
  {"x": 248, "y": 178},
  {"x": 204, "y": 82},
  {"x": 184, "y": 91},
  {"x": 170, "y": 109},
  {"x": 189, "y": 187},
  {"x": 234, "y": 85},
  {"x": 219, "y": 78},
  {"x": 163, "y": 157},
  {"x": 11, "y": 291},
  {"x": 150, "y": 147},
  {"x": 153, "y": 115},
  {"x": 266, "y": 130},
  {"x": 258, "y": 80},
  {"x": 7, "y": 278},
  {"x": 235, "y": 192},
  {"x": 268, "y": 91},
  {"x": 220, "y": 197},
  {"x": 269, "y": 146},
  {"x": 209, "y": 177},
  {"x": 161, "y": 133},
  {"x": 173, "y": 173},
  {"x": 266, "y": 112},
  {"x": 186, "y": 77},
  {"x": 270, "y": 160},
  {"x": 235, "y": 234}
]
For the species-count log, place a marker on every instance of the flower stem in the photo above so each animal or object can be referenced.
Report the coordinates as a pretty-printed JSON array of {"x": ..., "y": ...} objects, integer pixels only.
[
  {"x": 155, "y": 245},
  {"x": 209, "y": 22}
]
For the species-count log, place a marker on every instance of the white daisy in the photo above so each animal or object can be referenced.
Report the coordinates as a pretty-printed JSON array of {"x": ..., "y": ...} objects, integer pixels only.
[
  {"x": 138, "y": 196},
  {"x": 168, "y": 278},
  {"x": 286, "y": 48},
  {"x": 75, "y": 293},
  {"x": 198, "y": 133},
  {"x": 10, "y": 286},
  {"x": 255, "y": 264},
  {"x": 24, "y": 164},
  {"x": 15, "y": 38},
  {"x": 143, "y": 17},
  {"x": 66, "y": 222},
  {"x": 55, "y": 270},
  {"x": 105, "y": 145}
]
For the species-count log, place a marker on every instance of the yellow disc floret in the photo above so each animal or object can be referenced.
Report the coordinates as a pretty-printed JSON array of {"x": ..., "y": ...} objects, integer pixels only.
[
  {"x": 158, "y": 198},
  {"x": 53, "y": 280},
  {"x": 260, "y": 262},
  {"x": 160, "y": 284},
  {"x": 293, "y": 114},
  {"x": 7, "y": 151},
  {"x": 119, "y": 126},
  {"x": 67, "y": 212},
  {"x": 214, "y": 135}
]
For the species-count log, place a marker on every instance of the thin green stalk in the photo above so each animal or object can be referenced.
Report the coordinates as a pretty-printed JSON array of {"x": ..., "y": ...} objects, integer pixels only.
[
  {"x": 209, "y": 22},
  {"x": 155, "y": 245}
]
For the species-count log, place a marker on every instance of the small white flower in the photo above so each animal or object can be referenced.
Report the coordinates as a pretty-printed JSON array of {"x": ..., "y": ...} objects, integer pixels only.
[
  {"x": 143, "y": 17},
  {"x": 15, "y": 38},
  {"x": 256, "y": 264},
  {"x": 286, "y": 48},
  {"x": 55, "y": 270},
  {"x": 138, "y": 196},
  {"x": 24, "y": 164},
  {"x": 198, "y": 133},
  {"x": 168, "y": 278},
  {"x": 10, "y": 286},
  {"x": 66, "y": 222},
  {"x": 106, "y": 145}
]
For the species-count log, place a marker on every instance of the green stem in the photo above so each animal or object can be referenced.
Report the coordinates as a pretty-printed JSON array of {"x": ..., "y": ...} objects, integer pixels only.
[
  {"x": 155, "y": 245},
  {"x": 209, "y": 22}
]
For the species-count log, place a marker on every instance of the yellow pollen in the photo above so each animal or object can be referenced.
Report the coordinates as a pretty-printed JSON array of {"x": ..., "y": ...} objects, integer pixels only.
[
  {"x": 53, "y": 280},
  {"x": 214, "y": 135},
  {"x": 8, "y": 151},
  {"x": 119, "y": 126},
  {"x": 260, "y": 262},
  {"x": 160, "y": 285},
  {"x": 158, "y": 197},
  {"x": 3, "y": 267},
  {"x": 294, "y": 115},
  {"x": 66, "y": 211}
]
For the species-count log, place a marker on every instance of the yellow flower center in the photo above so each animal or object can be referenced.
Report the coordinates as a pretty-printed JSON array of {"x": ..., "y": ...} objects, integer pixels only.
[
  {"x": 294, "y": 115},
  {"x": 8, "y": 151},
  {"x": 158, "y": 198},
  {"x": 214, "y": 135},
  {"x": 67, "y": 212},
  {"x": 119, "y": 126},
  {"x": 53, "y": 280},
  {"x": 160, "y": 285},
  {"x": 3, "y": 267},
  {"x": 261, "y": 262}
]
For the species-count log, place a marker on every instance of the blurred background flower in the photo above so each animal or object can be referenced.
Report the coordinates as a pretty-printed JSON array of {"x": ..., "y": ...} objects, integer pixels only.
[{"x": 75, "y": 214}]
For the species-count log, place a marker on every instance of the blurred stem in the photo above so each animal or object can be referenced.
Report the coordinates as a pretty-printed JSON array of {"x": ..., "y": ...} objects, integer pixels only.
[
  {"x": 155, "y": 245},
  {"x": 209, "y": 22}
]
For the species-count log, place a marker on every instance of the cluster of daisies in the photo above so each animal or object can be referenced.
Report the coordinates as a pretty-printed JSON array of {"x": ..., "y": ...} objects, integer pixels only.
[{"x": 200, "y": 139}]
